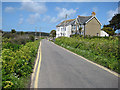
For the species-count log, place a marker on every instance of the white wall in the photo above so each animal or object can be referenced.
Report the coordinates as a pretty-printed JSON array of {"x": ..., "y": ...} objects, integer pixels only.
[
  {"x": 68, "y": 31},
  {"x": 65, "y": 33},
  {"x": 103, "y": 33}
]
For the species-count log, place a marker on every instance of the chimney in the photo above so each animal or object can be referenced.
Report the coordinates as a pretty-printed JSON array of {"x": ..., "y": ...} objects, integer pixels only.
[{"x": 93, "y": 13}]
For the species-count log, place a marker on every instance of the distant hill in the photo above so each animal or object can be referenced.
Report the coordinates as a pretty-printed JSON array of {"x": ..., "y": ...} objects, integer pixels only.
[{"x": 29, "y": 33}]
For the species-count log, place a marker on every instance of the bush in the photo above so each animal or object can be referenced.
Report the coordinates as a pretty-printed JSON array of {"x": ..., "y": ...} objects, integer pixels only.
[
  {"x": 17, "y": 64},
  {"x": 100, "y": 50},
  {"x": 32, "y": 38}
]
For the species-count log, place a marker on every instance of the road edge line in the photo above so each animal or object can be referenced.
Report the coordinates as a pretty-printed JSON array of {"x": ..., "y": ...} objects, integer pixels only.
[
  {"x": 100, "y": 66},
  {"x": 35, "y": 67},
  {"x": 38, "y": 70}
]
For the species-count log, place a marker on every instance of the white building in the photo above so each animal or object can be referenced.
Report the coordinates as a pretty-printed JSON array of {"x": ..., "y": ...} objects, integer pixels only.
[
  {"x": 90, "y": 26},
  {"x": 64, "y": 28},
  {"x": 103, "y": 34}
]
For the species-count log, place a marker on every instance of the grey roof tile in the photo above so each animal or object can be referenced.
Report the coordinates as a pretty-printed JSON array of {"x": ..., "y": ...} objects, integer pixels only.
[{"x": 80, "y": 19}]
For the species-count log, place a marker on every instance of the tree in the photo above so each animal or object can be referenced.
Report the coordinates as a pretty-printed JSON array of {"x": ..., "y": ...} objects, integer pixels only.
[
  {"x": 115, "y": 22},
  {"x": 80, "y": 29},
  {"x": 13, "y": 31},
  {"x": 22, "y": 33},
  {"x": 53, "y": 33},
  {"x": 109, "y": 30}
]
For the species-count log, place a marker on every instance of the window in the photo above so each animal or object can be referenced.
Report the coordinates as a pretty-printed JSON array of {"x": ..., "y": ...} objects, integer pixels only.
[
  {"x": 65, "y": 28},
  {"x": 74, "y": 27}
]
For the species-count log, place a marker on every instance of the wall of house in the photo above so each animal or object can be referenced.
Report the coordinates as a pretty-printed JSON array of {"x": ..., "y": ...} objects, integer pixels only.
[
  {"x": 65, "y": 33},
  {"x": 68, "y": 30},
  {"x": 59, "y": 31},
  {"x": 93, "y": 28}
]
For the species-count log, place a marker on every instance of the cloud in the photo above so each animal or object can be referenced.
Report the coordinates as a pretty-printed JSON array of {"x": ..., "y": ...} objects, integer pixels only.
[
  {"x": 61, "y": 13},
  {"x": 46, "y": 18},
  {"x": 20, "y": 21},
  {"x": 9, "y": 9},
  {"x": 54, "y": 20},
  {"x": 33, "y": 18},
  {"x": 111, "y": 13},
  {"x": 36, "y": 7}
]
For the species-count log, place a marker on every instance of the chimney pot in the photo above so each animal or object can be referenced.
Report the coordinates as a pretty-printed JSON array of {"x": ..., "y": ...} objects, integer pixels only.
[{"x": 93, "y": 13}]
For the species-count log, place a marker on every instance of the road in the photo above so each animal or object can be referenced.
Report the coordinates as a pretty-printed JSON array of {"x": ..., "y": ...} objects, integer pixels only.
[{"x": 62, "y": 69}]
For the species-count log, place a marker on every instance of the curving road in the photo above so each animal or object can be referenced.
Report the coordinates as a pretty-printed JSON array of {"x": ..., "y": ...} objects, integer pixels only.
[{"x": 62, "y": 69}]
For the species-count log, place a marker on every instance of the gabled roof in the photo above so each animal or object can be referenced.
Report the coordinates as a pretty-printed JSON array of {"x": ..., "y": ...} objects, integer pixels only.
[
  {"x": 95, "y": 18},
  {"x": 83, "y": 19},
  {"x": 80, "y": 20},
  {"x": 66, "y": 22}
]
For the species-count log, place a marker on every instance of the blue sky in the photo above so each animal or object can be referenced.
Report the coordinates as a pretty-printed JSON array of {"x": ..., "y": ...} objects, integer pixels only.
[{"x": 26, "y": 16}]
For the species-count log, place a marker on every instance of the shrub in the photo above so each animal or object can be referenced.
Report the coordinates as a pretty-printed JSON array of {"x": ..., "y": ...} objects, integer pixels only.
[
  {"x": 101, "y": 50},
  {"x": 17, "y": 64}
]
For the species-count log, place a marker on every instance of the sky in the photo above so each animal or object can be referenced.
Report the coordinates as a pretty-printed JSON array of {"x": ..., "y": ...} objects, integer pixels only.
[{"x": 44, "y": 16}]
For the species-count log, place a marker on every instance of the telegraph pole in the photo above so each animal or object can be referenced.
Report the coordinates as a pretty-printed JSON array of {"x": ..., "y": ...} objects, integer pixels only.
[
  {"x": 40, "y": 32},
  {"x": 35, "y": 32},
  {"x": 65, "y": 22}
]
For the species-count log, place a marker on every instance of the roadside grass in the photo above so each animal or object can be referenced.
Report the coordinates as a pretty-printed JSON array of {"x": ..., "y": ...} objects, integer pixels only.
[
  {"x": 17, "y": 64},
  {"x": 99, "y": 50}
]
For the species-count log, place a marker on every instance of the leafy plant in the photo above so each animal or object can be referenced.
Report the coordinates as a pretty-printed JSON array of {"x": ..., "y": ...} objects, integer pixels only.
[
  {"x": 103, "y": 51},
  {"x": 17, "y": 63}
]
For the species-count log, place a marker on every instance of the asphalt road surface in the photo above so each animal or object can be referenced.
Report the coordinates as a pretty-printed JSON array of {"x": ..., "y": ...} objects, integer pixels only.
[{"x": 62, "y": 69}]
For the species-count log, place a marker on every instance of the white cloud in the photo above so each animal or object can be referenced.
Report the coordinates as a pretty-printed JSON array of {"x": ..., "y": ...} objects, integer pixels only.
[
  {"x": 60, "y": 15},
  {"x": 46, "y": 18},
  {"x": 54, "y": 20},
  {"x": 63, "y": 11},
  {"x": 33, "y": 18},
  {"x": 111, "y": 13},
  {"x": 35, "y": 7},
  {"x": 20, "y": 21},
  {"x": 9, "y": 9}
]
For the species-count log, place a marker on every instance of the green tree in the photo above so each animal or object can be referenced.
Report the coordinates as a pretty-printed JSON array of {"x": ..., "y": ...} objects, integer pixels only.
[
  {"x": 109, "y": 30},
  {"x": 13, "y": 31},
  {"x": 80, "y": 29},
  {"x": 53, "y": 33},
  {"x": 22, "y": 33},
  {"x": 115, "y": 22}
]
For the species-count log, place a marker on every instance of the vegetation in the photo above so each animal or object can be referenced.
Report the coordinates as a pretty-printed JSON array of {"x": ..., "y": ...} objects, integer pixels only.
[
  {"x": 13, "y": 31},
  {"x": 115, "y": 22},
  {"x": 103, "y": 51},
  {"x": 18, "y": 55},
  {"x": 53, "y": 33},
  {"x": 108, "y": 30},
  {"x": 80, "y": 29}
]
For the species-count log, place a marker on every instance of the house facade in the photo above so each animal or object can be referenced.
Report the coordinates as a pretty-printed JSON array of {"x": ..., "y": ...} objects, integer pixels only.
[{"x": 83, "y": 25}]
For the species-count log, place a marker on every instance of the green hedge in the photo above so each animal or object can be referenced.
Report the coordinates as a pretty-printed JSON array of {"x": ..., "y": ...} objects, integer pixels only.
[
  {"x": 17, "y": 64},
  {"x": 100, "y": 50}
]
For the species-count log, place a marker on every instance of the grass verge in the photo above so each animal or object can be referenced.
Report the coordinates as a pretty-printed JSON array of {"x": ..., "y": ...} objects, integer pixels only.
[{"x": 98, "y": 50}]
